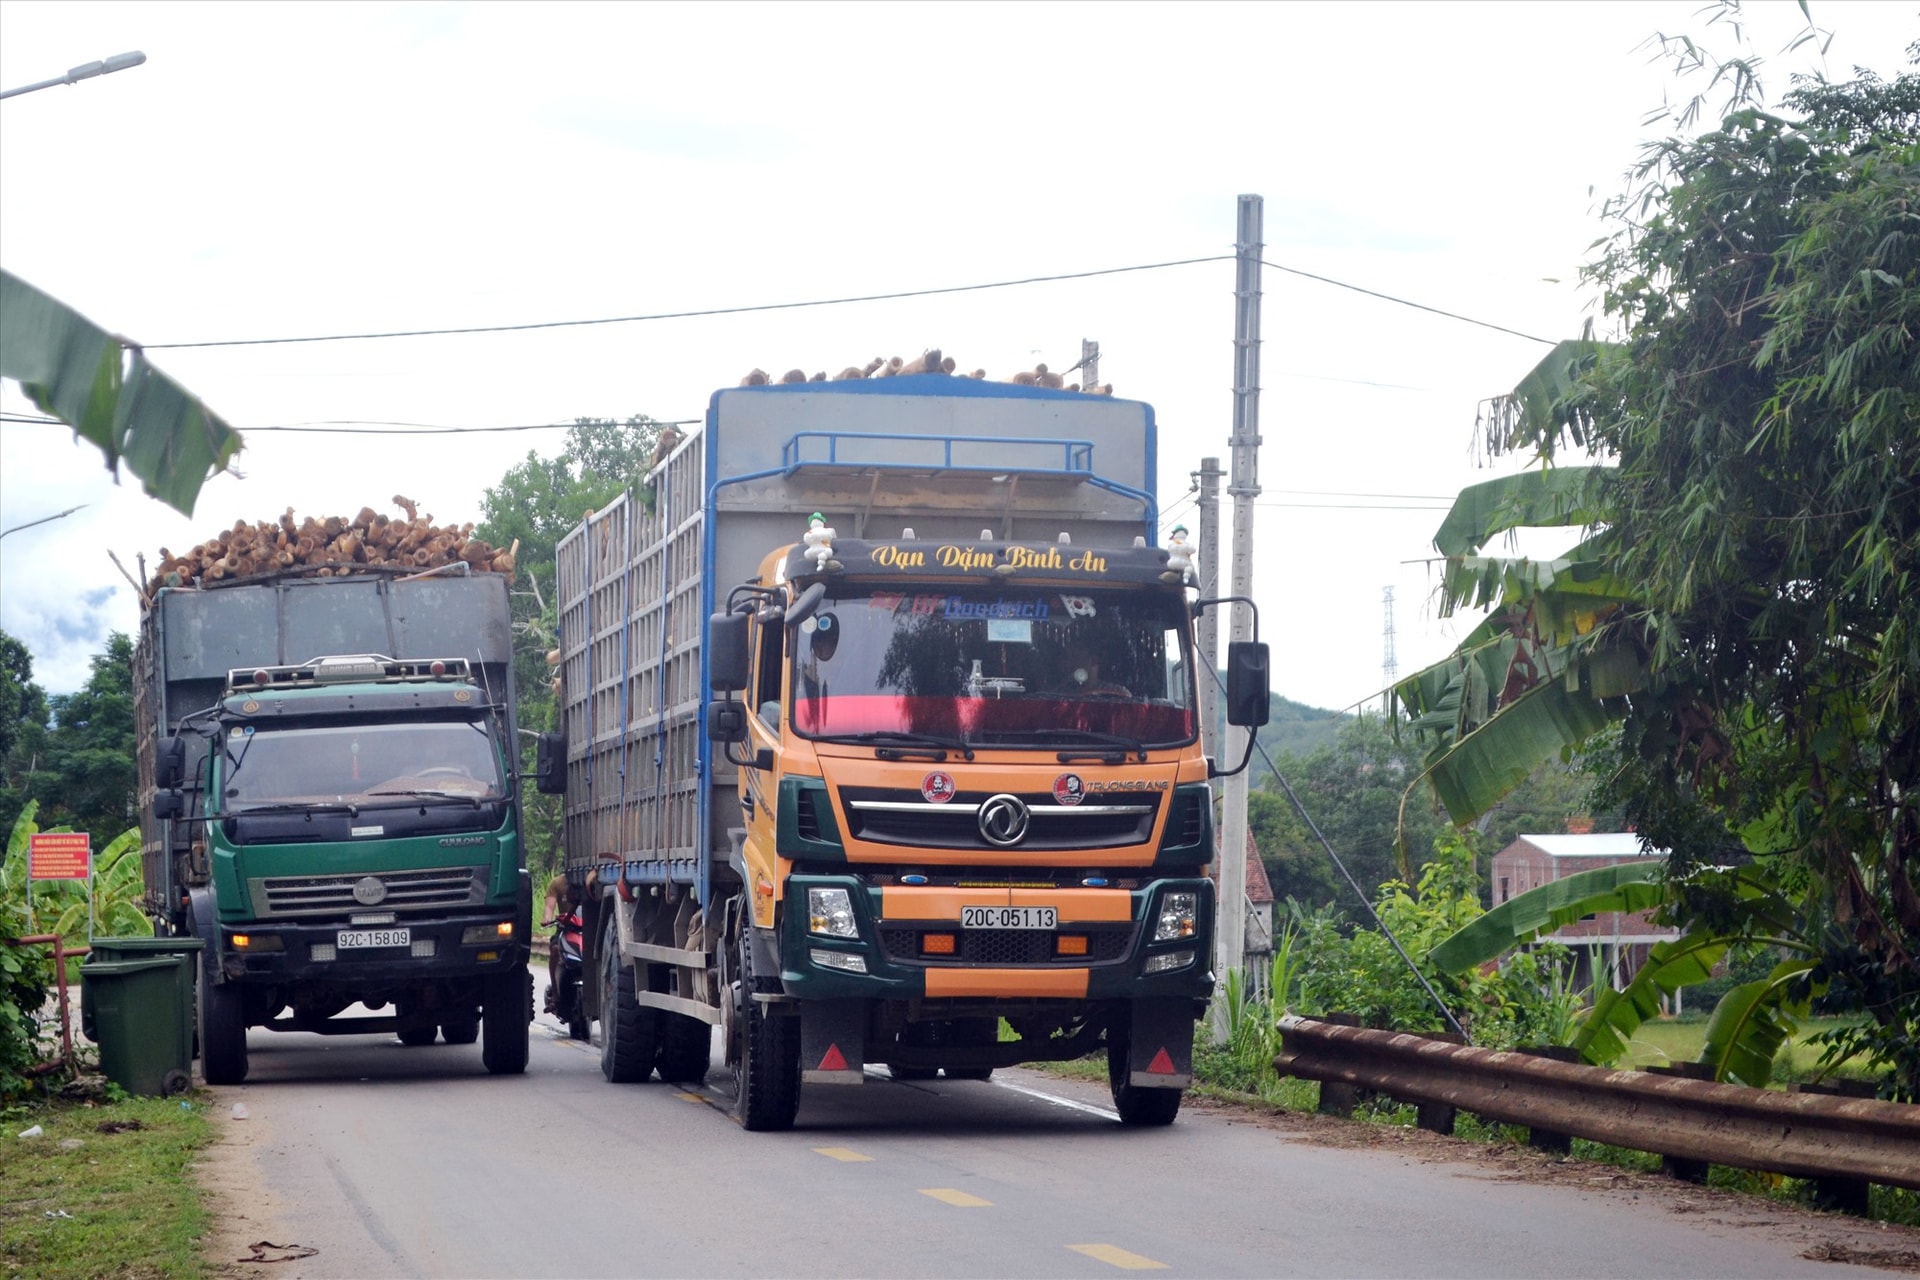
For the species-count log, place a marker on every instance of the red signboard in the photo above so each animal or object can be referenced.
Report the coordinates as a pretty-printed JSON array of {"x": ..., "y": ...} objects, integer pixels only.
[{"x": 59, "y": 855}]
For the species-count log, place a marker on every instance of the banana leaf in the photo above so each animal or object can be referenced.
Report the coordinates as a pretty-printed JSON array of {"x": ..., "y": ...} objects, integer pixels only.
[
  {"x": 1524, "y": 917},
  {"x": 1752, "y": 1021},
  {"x": 1671, "y": 965},
  {"x": 1471, "y": 774},
  {"x": 1551, "y": 498},
  {"x": 79, "y": 373}
]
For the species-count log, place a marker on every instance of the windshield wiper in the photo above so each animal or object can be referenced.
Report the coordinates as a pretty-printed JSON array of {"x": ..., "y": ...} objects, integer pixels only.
[
  {"x": 1117, "y": 744},
  {"x": 891, "y": 744},
  {"x": 414, "y": 794},
  {"x": 296, "y": 806}
]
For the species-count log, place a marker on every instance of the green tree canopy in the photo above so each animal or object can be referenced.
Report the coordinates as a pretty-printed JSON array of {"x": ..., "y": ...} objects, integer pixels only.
[
  {"x": 84, "y": 777},
  {"x": 1748, "y": 605},
  {"x": 536, "y": 504}
]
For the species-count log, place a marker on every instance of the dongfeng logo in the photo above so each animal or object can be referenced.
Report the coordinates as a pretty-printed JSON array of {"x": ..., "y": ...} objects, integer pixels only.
[
  {"x": 1003, "y": 821},
  {"x": 369, "y": 891}
]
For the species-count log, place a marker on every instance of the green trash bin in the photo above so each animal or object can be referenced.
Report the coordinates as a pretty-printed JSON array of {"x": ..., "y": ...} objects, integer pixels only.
[
  {"x": 146, "y": 948},
  {"x": 132, "y": 1010}
]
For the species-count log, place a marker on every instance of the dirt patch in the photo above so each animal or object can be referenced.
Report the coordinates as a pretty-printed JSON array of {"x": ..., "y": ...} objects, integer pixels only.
[
  {"x": 244, "y": 1214},
  {"x": 1822, "y": 1237}
]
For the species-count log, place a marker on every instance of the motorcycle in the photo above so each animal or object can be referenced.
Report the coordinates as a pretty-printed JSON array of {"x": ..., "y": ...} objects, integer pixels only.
[{"x": 563, "y": 976}]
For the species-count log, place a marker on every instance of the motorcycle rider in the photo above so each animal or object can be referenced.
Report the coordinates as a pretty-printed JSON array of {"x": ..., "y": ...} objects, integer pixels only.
[{"x": 559, "y": 905}]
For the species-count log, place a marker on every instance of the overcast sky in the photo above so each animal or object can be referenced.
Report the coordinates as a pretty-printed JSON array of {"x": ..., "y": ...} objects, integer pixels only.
[{"x": 293, "y": 170}]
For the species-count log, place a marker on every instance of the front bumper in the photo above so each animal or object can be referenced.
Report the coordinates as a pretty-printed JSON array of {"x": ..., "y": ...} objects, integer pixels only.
[
  {"x": 283, "y": 953},
  {"x": 1100, "y": 948}
]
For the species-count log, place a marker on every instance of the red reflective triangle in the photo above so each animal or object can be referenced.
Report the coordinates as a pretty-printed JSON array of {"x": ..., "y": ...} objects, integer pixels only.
[
  {"x": 837, "y": 1061},
  {"x": 1162, "y": 1065}
]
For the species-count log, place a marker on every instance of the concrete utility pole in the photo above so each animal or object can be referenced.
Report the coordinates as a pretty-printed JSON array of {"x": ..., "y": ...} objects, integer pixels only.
[
  {"x": 1207, "y": 660},
  {"x": 1089, "y": 364},
  {"x": 1244, "y": 488}
]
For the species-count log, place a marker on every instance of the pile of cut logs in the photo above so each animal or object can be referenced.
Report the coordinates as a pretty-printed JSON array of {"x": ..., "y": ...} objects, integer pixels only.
[
  {"x": 332, "y": 546},
  {"x": 929, "y": 361}
]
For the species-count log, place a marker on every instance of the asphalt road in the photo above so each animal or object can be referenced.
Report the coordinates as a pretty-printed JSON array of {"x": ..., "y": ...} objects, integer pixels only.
[{"x": 359, "y": 1157}]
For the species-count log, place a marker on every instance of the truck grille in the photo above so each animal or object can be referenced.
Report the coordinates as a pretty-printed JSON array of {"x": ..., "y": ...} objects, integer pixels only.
[
  {"x": 431, "y": 889},
  {"x": 904, "y": 818},
  {"x": 1006, "y": 947}
]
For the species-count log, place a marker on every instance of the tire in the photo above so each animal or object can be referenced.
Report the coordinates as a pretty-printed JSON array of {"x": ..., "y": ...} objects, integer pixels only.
[
  {"x": 460, "y": 1032},
  {"x": 567, "y": 999},
  {"x": 223, "y": 1028},
  {"x": 629, "y": 1035},
  {"x": 414, "y": 1037},
  {"x": 1139, "y": 1108},
  {"x": 686, "y": 1048},
  {"x": 769, "y": 1072},
  {"x": 506, "y": 1012}
]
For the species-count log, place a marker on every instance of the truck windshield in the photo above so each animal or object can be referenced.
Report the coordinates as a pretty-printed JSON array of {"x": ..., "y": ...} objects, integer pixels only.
[
  {"x": 359, "y": 763},
  {"x": 996, "y": 665}
]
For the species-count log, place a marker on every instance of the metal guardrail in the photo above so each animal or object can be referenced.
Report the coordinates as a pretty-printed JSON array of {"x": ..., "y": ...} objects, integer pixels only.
[{"x": 1807, "y": 1135}]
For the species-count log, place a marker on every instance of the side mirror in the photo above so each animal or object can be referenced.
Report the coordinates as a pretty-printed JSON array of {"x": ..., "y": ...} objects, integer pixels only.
[
  {"x": 727, "y": 721},
  {"x": 1248, "y": 683},
  {"x": 550, "y": 764},
  {"x": 727, "y": 657},
  {"x": 803, "y": 607},
  {"x": 168, "y": 804},
  {"x": 170, "y": 762}
]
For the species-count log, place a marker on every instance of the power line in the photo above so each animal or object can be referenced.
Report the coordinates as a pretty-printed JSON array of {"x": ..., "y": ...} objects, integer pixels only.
[
  {"x": 688, "y": 315},
  {"x": 870, "y": 297},
  {"x": 1418, "y": 306}
]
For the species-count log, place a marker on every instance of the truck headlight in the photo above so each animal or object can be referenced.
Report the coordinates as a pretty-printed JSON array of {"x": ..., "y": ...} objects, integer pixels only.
[
  {"x": 1179, "y": 917},
  {"x": 830, "y": 913}
]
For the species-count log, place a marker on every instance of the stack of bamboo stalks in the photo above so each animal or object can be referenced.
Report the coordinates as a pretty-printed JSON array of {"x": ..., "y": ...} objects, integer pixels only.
[{"x": 332, "y": 546}]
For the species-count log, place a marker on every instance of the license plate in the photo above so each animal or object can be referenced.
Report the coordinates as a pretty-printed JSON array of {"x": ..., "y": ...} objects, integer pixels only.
[
  {"x": 353, "y": 938},
  {"x": 1008, "y": 918}
]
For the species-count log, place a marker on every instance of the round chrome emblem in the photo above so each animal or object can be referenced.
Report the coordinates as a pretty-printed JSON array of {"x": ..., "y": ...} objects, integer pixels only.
[
  {"x": 369, "y": 891},
  {"x": 1003, "y": 821}
]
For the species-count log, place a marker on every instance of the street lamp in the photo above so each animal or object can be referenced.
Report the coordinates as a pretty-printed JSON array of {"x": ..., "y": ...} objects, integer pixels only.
[{"x": 85, "y": 71}]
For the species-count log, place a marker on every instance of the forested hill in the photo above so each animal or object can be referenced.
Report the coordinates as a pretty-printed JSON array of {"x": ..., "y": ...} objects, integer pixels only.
[
  {"x": 1293, "y": 726},
  {"x": 1297, "y": 727}
]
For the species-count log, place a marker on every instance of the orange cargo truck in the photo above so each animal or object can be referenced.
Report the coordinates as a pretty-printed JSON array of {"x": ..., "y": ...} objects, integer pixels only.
[{"x": 882, "y": 746}]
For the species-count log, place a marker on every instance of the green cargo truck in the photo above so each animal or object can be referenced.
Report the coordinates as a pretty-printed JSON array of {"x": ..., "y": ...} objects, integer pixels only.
[{"x": 326, "y": 767}]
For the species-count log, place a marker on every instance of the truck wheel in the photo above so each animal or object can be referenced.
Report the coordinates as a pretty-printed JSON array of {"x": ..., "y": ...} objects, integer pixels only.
[
  {"x": 414, "y": 1037},
  {"x": 769, "y": 1072},
  {"x": 460, "y": 1032},
  {"x": 506, "y": 1011},
  {"x": 686, "y": 1048},
  {"x": 628, "y": 1034},
  {"x": 223, "y": 1028},
  {"x": 1139, "y": 1108}
]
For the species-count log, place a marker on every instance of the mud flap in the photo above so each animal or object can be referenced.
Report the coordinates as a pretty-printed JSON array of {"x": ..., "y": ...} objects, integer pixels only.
[
  {"x": 1160, "y": 1044},
  {"x": 832, "y": 1035}
]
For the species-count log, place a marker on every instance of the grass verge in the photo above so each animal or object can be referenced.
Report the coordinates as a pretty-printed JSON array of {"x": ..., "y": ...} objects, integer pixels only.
[{"x": 105, "y": 1190}]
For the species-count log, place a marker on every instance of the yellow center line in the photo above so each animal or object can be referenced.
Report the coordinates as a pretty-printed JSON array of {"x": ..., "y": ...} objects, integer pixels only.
[
  {"x": 846, "y": 1155},
  {"x": 691, "y": 1097},
  {"x": 1116, "y": 1256},
  {"x": 959, "y": 1199}
]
